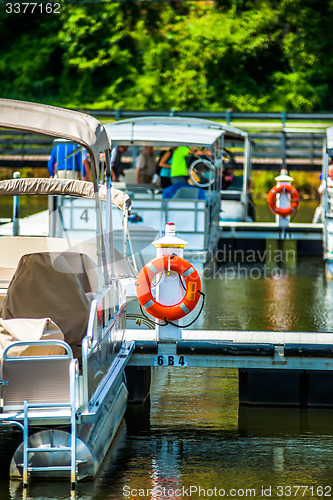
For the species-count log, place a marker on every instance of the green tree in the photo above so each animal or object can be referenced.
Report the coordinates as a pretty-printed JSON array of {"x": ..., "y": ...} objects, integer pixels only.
[{"x": 248, "y": 55}]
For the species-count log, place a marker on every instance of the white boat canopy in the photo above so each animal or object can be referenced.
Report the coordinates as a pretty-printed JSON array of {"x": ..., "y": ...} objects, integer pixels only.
[
  {"x": 170, "y": 131},
  {"x": 77, "y": 127},
  {"x": 56, "y": 122}
]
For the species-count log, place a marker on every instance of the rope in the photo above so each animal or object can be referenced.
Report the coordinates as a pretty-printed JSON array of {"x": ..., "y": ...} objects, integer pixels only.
[
  {"x": 166, "y": 322},
  {"x": 190, "y": 324}
]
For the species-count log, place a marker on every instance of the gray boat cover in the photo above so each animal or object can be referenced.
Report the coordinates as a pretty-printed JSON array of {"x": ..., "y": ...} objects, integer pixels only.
[
  {"x": 84, "y": 189},
  {"x": 13, "y": 330},
  {"x": 55, "y": 286}
]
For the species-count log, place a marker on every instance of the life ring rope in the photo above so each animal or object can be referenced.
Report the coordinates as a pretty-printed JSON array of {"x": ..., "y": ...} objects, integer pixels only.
[
  {"x": 294, "y": 200},
  {"x": 185, "y": 270},
  {"x": 166, "y": 322}
]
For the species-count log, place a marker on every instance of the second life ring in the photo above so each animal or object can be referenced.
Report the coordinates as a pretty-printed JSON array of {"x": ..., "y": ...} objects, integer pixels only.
[
  {"x": 165, "y": 264},
  {"x": 294, "y": 200}
]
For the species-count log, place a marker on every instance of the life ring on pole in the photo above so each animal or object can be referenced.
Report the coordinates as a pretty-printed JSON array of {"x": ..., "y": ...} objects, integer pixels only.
[
  {"x": 165, "y": 264},
  {"x": 294, "y": 200}
]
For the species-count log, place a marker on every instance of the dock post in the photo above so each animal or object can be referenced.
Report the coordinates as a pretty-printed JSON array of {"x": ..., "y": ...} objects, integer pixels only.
[
  {"x": 169, "y": 289},
  {"x": 16, "y": 210}
]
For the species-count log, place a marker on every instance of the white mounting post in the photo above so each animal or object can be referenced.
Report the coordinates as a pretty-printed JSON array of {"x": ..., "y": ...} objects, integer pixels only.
[
  {"x": 283, "y": 201},
  {"x": 169, "y": 289},
  {"x": 16, "y": 210}
]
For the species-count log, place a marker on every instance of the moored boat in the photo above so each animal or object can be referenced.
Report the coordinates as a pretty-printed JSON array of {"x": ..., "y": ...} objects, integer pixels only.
[
  {"x": 62, "y": 323},
  {"x": 196, "y": 218}
]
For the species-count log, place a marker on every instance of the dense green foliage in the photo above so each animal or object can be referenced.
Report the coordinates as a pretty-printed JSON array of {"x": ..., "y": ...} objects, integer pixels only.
[{"x": 246, "y": 55}]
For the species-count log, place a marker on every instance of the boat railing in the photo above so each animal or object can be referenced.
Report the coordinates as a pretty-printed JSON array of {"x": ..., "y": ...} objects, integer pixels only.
[
  {"x": 104, "y": 339},
  {"x": 147, "y": 191},
  {"x": 193, "y": 216}
]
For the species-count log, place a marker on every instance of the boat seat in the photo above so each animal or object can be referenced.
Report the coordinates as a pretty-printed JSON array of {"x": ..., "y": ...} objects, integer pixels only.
[
  {"x": 231, "y": 195},
  {"x": 45, "y": 286},
  {"x": 38, "y": 380},
  {"x": 187, "y": 193}
]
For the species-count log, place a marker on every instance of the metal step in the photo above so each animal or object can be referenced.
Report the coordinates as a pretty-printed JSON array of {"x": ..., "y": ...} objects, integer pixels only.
[
  {"x": 78, "y": 462},
  {"x": 51, "y": 467},
  {"x": 59, "y": 448}
]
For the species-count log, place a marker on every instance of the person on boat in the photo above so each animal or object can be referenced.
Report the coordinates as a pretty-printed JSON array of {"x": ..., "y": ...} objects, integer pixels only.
[
  {"x": 66, "y": 165},
  {"x": 318, "y": 215},
  {"x": 145, "y": 166},
  {"x": 86, "y": 165},
  {"x": 232, "y": 181},
  {"x": 178, "y": 165},
  {"x": 329, "y": 182},
  {"x": 117, "y": 165},
  {"x": 164, "y": 165},
  {"x": 179, "y": 168},
  {"x": 227, "y": 178}
]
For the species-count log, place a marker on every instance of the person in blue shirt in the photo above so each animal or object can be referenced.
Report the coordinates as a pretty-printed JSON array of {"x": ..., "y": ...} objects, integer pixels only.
[{"x": 65, "y": 165}]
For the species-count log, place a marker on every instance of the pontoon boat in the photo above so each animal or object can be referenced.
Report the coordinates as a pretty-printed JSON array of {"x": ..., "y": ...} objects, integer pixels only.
[
  {"x": 197, "y": 219},
  {"x": 63, "y": 353}
]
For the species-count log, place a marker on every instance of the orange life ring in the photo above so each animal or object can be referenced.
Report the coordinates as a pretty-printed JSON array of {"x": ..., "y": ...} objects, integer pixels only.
[
  {"x": 160, "y": 265},
  {"x": 294, "y": 200}
]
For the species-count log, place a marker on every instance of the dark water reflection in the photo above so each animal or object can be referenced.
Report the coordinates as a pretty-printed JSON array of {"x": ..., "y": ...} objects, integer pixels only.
[
  {"x": 196, "y": 436},
  {"x": 28, "y": 205},
  {"x": 297, "y": 298}
]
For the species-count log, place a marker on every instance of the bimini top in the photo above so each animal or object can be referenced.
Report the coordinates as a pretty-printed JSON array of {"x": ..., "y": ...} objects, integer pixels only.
[
  {"x": 55, "y": 122},
  {"x": 69, "y": 187},
  {"x": 170, "y": 131}
]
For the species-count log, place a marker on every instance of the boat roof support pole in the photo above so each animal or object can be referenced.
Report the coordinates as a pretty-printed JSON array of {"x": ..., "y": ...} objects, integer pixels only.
[
  {"x": 101, "y": 257},
  {"x": 324, "y": 200},
  {"x": 222, "y": 163},
  {"x": 247, "y": 163},
  {"x": 218, "y": 162},
  {"x": 108, "y": 219}
]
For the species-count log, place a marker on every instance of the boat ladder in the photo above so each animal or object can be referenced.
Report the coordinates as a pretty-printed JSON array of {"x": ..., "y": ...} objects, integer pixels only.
[
  {"x": 26, "y": 382},
  {"x": 55, "y": 449}
]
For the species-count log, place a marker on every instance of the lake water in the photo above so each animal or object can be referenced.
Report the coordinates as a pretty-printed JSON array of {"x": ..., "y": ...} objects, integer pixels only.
[
  {"x": 192, "y": 440},
  {"x": 32, "y": 204}
]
